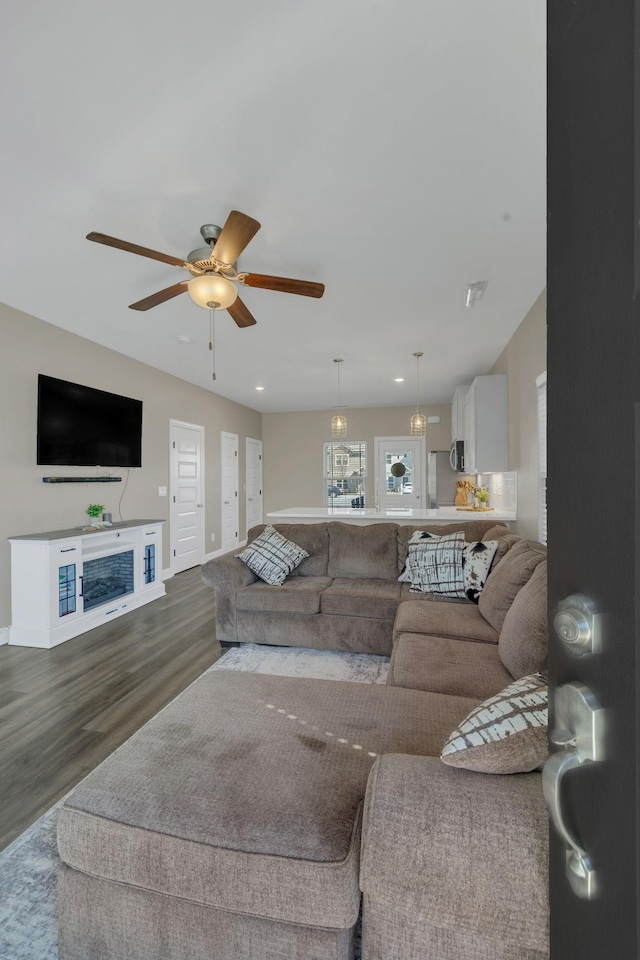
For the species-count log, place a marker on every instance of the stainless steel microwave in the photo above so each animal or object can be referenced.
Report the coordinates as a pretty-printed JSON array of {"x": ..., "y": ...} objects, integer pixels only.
[{"x": 456, "y": 456}]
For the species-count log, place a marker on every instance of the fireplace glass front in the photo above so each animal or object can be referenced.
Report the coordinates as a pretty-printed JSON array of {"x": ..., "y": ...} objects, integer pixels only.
[{"x": 107, "y": 578}]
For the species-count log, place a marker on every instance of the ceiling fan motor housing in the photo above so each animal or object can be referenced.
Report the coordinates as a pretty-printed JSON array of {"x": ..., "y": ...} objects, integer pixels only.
[{"x": 210, "y": 233}]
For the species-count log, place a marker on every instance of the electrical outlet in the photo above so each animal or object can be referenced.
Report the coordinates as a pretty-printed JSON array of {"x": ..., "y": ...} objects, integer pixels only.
[{"x": 213, "y": 538}]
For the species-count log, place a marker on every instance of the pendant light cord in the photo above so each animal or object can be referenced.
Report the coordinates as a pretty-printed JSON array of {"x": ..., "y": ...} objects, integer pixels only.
[{"x": 417, "y": 356}]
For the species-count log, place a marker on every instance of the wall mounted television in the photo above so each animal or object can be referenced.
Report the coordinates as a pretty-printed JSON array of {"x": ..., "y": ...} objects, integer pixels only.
[{"x": 83, "y": 427}]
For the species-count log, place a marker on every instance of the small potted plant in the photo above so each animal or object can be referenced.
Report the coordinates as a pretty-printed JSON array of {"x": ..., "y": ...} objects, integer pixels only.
[
  {"x": 94, "y": 511},
  {"x": 482, "y": 496}
]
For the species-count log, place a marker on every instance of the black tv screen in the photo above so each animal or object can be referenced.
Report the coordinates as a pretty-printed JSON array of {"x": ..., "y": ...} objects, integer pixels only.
[{"x": 83, "y": 427}]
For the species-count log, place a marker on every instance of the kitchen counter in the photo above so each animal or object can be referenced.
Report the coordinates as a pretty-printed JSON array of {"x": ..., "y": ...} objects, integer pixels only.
[{"x": 399, "y": 515}]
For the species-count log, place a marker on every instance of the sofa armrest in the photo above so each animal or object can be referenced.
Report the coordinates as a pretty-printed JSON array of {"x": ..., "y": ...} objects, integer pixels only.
[
  {"x": 227, "y": 570},
  {"x": 460, "y": 850},
  {"x": 227, "y": 574}
]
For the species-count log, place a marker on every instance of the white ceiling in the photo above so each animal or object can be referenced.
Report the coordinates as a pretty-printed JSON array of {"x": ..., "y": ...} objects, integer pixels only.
[{"x": 393, "y": 150}]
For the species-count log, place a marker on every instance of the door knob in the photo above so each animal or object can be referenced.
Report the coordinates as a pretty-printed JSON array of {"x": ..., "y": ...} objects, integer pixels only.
[
  {"x": 577, "y": 624},
  {"x": 579, "y": 738}
]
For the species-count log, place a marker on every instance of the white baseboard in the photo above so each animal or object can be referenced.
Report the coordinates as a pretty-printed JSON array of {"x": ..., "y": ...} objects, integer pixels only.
[
  {"x": 167, "y": 574},
  {"x": 4, "y": 635}
]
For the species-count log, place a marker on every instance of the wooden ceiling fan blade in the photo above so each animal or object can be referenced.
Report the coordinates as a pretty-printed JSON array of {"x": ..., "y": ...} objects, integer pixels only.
[
  {"x": 238, "y": 230},
  {"x": 239, "y": 312},
  {"x": 134, "y": 248},
  {"x": 160, "y": 296},
  {"x": 304, "y": 288}
]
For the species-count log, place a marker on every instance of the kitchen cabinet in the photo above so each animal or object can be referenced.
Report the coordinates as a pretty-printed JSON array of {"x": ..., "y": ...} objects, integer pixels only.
[
  {"x": 457, "y": 413},
  {"x": 485, "y": 425}
]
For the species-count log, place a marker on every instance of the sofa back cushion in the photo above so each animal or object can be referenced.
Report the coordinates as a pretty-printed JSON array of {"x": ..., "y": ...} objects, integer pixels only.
[
  {"x": 312, "y": 537},
  {"x": 369, "y": 551},
  {"x": 523, "y": 639},
  {"x": 507, "y": 578}
]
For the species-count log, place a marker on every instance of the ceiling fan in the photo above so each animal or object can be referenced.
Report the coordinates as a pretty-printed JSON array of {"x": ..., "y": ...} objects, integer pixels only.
[{"x": 214, "y": 276}]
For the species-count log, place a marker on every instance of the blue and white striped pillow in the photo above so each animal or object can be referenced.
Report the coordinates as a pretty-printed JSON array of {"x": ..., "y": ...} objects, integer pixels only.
[{"x": 272, "y": 557}]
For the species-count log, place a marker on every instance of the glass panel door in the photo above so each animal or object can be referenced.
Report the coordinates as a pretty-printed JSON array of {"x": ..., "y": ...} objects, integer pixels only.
[{"x": 399, "y": 472}]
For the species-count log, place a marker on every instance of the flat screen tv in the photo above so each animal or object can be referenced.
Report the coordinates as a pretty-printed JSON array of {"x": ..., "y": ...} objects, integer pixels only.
[{"x": 83, "y": 427}]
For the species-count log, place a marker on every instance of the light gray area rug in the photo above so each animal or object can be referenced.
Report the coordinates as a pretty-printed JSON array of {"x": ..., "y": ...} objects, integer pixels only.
[{"x": 28, "y": 867}]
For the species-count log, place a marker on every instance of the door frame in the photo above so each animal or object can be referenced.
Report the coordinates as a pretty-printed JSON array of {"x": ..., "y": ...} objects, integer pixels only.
[
  {"x": 230, "y": 436},
  {"x": 378, "y": 443},
  {"x": 173, "y": 423},
  {"x": 247, "y": 442}
]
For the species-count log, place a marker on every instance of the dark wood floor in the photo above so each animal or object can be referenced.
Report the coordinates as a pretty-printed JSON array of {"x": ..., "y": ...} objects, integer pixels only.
[{"x": 62, "y": 711}]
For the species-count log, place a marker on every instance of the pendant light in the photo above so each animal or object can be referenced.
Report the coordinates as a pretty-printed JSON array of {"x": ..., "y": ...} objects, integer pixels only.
[
  {"x": 418, "y": 423},
  {"x": 339, "y": 422}
]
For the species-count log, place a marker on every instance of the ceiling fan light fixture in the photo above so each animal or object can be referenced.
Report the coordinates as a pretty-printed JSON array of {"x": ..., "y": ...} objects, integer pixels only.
[{"x": 212, "y": 288}]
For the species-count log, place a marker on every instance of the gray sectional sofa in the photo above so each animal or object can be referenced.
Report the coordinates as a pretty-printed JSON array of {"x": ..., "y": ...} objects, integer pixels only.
[
  {"x": 254, "y": 817},
  {"x": 343, "y": 597}
]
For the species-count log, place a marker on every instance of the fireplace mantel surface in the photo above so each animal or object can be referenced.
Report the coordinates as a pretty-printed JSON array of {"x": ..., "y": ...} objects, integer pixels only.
[{"x": 83, "y": 530}]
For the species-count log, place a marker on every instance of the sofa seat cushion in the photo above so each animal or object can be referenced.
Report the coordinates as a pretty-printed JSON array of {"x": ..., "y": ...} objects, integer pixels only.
[
  {"x": 462, "y": 620},
  {"x": 245, "y": 793},
  {"x": 464, "y": 668},
  {"x": 295, "y": 595},
  {"x": 362, "y": 597}
]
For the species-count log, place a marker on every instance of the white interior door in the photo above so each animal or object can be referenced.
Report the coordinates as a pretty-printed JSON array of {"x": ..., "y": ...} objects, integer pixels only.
[
  {"x": 400, "y": 472},
  {"x": 254, "y": 482},
  {"x": 229, "y": 511},
  {"x": 186, "y": 513}
]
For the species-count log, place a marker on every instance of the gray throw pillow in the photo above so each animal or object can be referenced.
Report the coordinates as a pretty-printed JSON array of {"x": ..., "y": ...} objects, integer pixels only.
[
  {"x": 272, "y": 557},
  {"x": 505, "y": 734}
]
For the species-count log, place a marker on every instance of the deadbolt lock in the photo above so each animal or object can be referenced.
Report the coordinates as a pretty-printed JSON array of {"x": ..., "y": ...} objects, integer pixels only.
[{"x": 577, "y": 624}]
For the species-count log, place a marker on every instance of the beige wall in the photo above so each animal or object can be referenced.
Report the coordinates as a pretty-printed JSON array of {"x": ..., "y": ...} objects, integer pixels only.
[
  {"x": 293, "y": 445},
  {"x": 29, "y": 346},
  {"x": 523, "y": 359},
  {"x": 293, "y": 467}
]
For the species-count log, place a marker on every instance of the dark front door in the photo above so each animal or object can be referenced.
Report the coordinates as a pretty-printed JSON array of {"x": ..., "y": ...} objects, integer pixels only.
[{"x": 594, "y": 448}]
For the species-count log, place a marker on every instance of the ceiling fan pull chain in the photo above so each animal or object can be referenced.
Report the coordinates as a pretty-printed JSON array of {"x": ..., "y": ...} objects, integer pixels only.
[{"x": 212, "y": 342}]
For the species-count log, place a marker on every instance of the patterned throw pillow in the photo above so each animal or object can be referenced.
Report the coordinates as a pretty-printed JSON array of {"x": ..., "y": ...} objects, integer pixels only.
[
  {"x": 476, "y": 563},
  {"x": 434, "y": 564},
  {"x": 272, "y": 557},
  {"x": 505, "y": 734}
]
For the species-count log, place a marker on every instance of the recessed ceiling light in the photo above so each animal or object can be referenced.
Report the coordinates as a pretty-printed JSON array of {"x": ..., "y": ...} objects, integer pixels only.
[
  {"x": 259, "y": 388},
  {"x": 398, "y": 379},
  {"x": 183, "y": 339}
]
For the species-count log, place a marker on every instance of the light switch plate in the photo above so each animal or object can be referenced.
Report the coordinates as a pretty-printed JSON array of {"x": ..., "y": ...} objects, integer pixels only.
[{"x": 162, "y": 491}]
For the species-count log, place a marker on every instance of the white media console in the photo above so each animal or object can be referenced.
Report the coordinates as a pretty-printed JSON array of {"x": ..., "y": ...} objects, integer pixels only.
[{"x": 66, "y": 582}]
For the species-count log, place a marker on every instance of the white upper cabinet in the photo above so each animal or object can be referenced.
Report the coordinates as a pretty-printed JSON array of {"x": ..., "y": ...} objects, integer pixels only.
[
  {"x": 457, "y": 413},
  {"x": 485, "y": 425}
]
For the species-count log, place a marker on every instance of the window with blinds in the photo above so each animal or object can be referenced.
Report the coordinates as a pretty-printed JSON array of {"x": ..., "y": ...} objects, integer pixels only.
[
  {"x": 345, "y": 471},
  {"x": 541, "y": 385}
]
